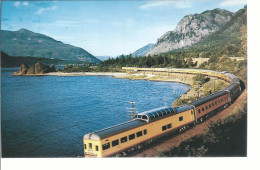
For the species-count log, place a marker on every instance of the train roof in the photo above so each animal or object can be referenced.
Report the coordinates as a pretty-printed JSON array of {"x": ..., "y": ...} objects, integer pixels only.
[
  {"x": 162, "y": 112},
  {"x": 113, "y": 130},
  {"x": 233, "y": 77},
  {"x": 207, "y": 98},
  {"x": 230, "y": 87}
]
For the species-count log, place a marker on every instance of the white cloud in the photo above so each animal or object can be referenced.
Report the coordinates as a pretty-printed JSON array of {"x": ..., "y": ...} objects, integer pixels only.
[
  {"x": 41, "y": 10},
  {"x": 72, "y": 23},
  {"x": 232, "y": 3},
  {"x": 17, "y": 4},
  {"x": 155, "y": 4},
  {"x": 165, "y": 4},
  {"x": 25, "y": 3}
]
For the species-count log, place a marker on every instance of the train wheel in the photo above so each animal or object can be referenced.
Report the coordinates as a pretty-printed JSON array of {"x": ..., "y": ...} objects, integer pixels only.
[
  {"x": 149, "y": 141},
  {"x": 139, "y": 146}
]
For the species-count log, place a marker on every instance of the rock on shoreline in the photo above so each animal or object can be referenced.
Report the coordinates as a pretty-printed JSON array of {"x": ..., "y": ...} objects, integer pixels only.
[{"x": 37, "y": 69}]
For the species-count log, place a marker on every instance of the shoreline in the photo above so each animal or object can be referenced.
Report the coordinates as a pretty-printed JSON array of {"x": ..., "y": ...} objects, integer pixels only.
[
  {"x": 185, "y": 79},
  {"x": 115, "y": 74},
  {"x": 137, "y": 76}
]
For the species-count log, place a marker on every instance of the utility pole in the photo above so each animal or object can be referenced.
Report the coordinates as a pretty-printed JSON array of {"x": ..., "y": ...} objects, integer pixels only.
[
  {"x": 214, "y": 85},
  {"x": 131, "y": 111},
  {"x": 198, "y": 91}
]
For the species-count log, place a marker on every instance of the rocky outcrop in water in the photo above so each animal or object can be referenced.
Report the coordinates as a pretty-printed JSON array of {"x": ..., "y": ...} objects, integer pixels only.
[{"x": 37, "y": 69}]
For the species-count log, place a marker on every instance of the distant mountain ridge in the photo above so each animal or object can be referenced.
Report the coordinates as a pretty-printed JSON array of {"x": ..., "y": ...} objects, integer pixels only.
[
  {"x": 143, "y": 51},
  {"x": 27, "y": 43},
  {"x": 103, "y": 58},
  {"x": 192, "y": 29}
]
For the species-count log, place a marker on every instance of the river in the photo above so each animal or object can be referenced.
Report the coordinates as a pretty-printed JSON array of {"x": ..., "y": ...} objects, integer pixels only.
[{"x": 47, "y": 116}]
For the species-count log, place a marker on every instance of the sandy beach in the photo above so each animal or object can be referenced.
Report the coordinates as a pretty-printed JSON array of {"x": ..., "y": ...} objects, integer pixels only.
[
  {"x": 87, "y": 74},
  {"x": 114, "y": 74}
]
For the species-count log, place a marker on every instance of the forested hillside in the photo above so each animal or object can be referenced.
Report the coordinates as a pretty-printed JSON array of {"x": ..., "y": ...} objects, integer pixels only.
[{"x": 229, "y": 41}]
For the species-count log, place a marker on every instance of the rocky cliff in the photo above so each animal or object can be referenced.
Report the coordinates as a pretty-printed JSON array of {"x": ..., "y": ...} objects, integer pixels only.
[{"x": 191, "y": 29}]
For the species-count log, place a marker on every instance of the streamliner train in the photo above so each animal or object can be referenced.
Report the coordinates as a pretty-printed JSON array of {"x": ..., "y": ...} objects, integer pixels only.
[{"x": 149, "y": 126}]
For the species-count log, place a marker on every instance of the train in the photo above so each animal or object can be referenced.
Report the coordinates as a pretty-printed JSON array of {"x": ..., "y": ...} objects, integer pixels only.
[{"x": 149, "y": 126}]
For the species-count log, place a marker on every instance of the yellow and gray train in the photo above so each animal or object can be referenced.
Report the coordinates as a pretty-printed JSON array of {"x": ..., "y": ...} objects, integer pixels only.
[{"x": 149, "y": 126}]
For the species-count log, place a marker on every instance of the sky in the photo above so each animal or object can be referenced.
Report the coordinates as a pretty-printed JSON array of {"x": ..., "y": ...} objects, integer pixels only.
[{"x": 105, "y": 28}]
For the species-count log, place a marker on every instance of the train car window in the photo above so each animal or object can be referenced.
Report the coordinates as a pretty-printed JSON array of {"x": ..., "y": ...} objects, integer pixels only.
[
  {"x": 206, "y": 107},
  {"x": 90, "y": 145},
  {"x": 199, "y": 110},
  {"x": 85, "y": 146},
  {"x": 164, "y": 128},
  {"x": 216, "y": 103},
  {"x": 156, "y": 116},
  {"x": 203, "y": 109},
  {"x": 106, "y": 146},
  {"x": 140, "y": 133},
  {"x": 144, "y": 117},
  {"x": 212, "y": 104},
  {"x": 115, "y": 142},
  {"x": 181, "y": 118},
  {"x": 132, "y": 136},
  {"x": 169, "y": 126},
  {"x": 139, "y": 116},
  {"x": 123, "y": 139},
  {"x": 96, "y": 148},
  {"x": 145, "y": 132},
  {"x": 209, "y": 105},
  {"x": 152, "y": 117}
]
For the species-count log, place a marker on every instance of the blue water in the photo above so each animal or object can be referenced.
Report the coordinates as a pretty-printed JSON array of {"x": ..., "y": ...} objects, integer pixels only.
[{"x": 47, "y": 116}]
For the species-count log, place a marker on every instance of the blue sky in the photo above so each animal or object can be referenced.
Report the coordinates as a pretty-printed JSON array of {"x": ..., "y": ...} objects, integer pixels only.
[{"x": 105, "y": 27}]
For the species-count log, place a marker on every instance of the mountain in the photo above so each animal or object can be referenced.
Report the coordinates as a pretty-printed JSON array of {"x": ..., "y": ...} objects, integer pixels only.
[
  {"x": 103, "y": 58},
  {"x": 27, "y": 43},
  {"x": 143, "y": 51},
  {"x": 192, "y": 29},
  {"x": 228, "y": 33},
  {"x": 11, "y": 61}
]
